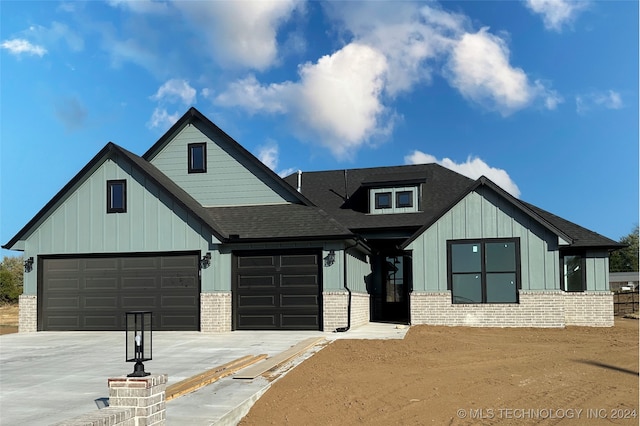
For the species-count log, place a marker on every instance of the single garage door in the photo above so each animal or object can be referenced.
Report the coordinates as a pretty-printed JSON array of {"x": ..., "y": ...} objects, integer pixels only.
[
  {"x": 93, "y": 293},
  {"x": 277, "y": 290}
]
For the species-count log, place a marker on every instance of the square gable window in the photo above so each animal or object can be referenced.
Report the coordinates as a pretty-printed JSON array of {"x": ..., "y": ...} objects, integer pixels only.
[
  {"x": 197, "y": 157},
  {"x": 116, "y": 196},
  {"x": 383, "y": 200},
  {"x": 404, "y": 199}
]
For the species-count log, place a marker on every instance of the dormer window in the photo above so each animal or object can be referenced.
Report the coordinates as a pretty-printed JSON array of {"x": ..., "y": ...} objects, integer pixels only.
[
  {"x": 393, "y": 200},
  {"x": 197, "y": 161},
  {"x": 404, "y": 199},
  {"x": 383, "y": 200}
]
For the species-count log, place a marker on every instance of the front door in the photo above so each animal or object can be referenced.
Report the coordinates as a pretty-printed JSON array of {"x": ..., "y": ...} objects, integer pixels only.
[{"x": 391, "y": 294}]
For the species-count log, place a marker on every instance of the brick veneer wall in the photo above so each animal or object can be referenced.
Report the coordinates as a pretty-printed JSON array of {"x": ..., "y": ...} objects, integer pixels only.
[
  {"x": 215, "y": 312},
  {"x": 335, "y": 309},
  {"x": 536, "y": 309},
  {"x": 27, "y": 313},
  {"x": 593, "y": 308}
]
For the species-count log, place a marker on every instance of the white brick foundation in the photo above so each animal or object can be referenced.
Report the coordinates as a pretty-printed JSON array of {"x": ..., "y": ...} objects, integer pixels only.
[
  {"x": 27, "y": 313},
  {"x": 215, "y": 312},
  {"x": 335, "y": 306},
  {"x": 536, "y": 309}
]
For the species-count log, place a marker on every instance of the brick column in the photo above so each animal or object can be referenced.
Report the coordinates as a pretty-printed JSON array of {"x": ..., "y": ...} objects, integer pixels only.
[{"x": 145, "y": 395}]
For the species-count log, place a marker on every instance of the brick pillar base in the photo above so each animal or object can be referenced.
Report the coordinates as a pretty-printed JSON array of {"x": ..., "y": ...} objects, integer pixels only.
[{"x": 145, "y": 395}]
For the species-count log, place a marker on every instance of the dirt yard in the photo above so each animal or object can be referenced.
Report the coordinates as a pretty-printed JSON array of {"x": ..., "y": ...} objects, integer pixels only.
[
  {"x": 8, "y": 319},
  {"x": 464, "y": 376}
]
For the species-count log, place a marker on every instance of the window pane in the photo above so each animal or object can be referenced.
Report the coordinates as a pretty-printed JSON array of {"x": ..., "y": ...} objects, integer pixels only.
[
  {"x": 467, "y": 288},
  {"x": 501, "y": 288},
  {"x": 573, "y": 278},
  {"x": 197, "y": 158},
  {"x": 383, "y": 200},
  {"x": 404, "y": 199},
  {"x": 500, "y": 257},
  {"x": 466, "y": 257},
  {"x": 117, "y": 196}
]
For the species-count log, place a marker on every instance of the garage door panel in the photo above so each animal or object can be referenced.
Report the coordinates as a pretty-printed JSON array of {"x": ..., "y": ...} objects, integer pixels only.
[
  {"x": 283, "y": 296},
  {"x": 265, "y": 281},
  {"x": 256, "y": 261},
  {"x": 63, "y": 303},
  {"x": 298, "y": 301},
  {"x": 94, "y": 293},
  {"x": 64, "y": 284},
  {"x": 178, "y": 282},
  {"x": 177, "y": 302},
  {"x": 299, "y": 281},
  {"x": 302, "y": 322},
  {"x": 101, "y": 284},
  {"x": 100, "y": 265},
  {"x": 257, "y": 301},
  {"x": 139, "y": 283},
  {"x": 98, "y": 302},
  {"x": 100, "y": 322}
]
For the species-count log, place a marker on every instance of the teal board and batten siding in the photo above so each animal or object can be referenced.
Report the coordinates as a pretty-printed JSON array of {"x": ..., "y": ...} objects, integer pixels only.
[
  {"x": 79, "y": 224},
  {"x": 484, "y": 214},
  {"x": 358, "y": 271},
  {"x": 230, "y": 178}
]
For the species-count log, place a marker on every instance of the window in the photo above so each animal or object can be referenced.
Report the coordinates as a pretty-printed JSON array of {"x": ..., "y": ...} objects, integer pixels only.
[
  {"x": 197, "y": 157},
  {"x": 573, "y": 277},
  {"x": 383, "y": 200},
  {"x": 404, "y": 199},
  {"x": 484, "y": 271},
  {"x": 116, "y": 196}
]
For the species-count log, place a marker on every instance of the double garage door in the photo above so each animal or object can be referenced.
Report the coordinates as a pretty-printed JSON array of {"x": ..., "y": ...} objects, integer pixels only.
[
  {"x": 277, "y": 290},
  {"x": 93, "y": 293}
]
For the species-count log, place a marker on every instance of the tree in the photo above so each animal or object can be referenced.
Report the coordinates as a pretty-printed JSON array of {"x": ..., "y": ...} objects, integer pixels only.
[
  {"x": 11, "y": 272},
  {"x": 626, "y": 259}
]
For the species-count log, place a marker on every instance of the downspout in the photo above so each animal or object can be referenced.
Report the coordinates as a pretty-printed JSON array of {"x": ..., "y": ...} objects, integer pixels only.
[{"x": 346, "y": 287}]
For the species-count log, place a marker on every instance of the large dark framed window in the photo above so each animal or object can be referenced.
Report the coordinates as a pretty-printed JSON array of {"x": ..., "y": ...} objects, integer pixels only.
[
  {"x": 116, "y": 196},
  {"x": 484, "y": 271},
  {"x": 404, "y": 199},
  {"x": 383, "y": 200},
  {"x": 197, "y": 162},
  {"x": 572, "y": 270}
]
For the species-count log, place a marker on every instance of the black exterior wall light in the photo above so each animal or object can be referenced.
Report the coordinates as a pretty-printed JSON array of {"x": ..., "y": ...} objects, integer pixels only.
[
  {"x": 28, "y": 264},
  {"x": 138, "y": 340},
  {"x": 330, "y": 258}
]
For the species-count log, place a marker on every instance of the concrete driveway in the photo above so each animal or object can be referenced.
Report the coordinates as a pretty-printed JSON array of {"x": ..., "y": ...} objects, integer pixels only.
[{"x": 49, "y": 377}]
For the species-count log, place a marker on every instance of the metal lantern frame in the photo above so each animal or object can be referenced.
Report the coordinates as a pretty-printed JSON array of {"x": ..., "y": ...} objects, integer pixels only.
[{"x": 139, "y": 340}]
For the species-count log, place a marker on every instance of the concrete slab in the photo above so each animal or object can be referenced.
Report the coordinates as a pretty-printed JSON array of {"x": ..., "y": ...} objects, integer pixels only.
[{"x": 49, "y": 377}]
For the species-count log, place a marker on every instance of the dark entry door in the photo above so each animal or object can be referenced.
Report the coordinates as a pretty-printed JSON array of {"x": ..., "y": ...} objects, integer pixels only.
[
  {"x": 393, "y": 284},
  {"x": 277, "y": 290}
]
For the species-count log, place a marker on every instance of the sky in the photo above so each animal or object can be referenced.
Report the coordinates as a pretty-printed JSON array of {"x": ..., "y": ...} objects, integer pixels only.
[{"x": 540, "y": 96}]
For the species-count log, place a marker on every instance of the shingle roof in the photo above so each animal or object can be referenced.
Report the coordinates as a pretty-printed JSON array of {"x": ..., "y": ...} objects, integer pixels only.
[
  {"x": 582, "y": 237},
  {"x": 277, "y": 221},
  {"x": 342, "y": 194}
]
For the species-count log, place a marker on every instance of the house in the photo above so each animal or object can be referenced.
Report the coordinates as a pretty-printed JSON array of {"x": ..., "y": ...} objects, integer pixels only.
[{"x": 200, "y": 232}]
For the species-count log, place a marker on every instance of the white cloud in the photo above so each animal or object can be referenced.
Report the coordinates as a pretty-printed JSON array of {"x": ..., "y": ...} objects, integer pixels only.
[
  {"x": 161, "y": 119},
  {"x": 609, "y": 99},
  {"x": 557, "y": 13},
  {"x": 479, "y": 68},
  {"x": 19, "y": 46},
  {"x": 242, "y": 33},
  {"x": 176, "y": 90},
  {"x": 473, "y": 168},
  {"x": 269, "y": 155},
  {"x": 336, "y": 100}
]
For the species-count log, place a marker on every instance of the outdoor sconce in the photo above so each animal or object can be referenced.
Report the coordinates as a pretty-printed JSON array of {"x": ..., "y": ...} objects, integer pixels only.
[
  {"x": 205, "y": 262},
  {"x": 28, "y": 264},
  {"x": 330, "y": 258},
  {"x": 138, "y": 341}
]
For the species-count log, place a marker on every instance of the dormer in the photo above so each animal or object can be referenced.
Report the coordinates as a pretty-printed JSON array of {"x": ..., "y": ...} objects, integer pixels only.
[{"x": 394, "y": 194}]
